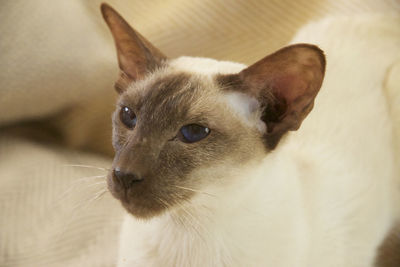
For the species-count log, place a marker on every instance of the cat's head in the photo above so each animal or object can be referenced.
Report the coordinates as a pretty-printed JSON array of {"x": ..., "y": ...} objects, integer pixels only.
[{"x": 181, "y": 124}]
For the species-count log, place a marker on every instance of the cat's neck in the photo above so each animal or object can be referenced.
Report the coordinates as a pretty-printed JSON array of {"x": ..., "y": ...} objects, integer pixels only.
[{"x": 268, "y": 197}]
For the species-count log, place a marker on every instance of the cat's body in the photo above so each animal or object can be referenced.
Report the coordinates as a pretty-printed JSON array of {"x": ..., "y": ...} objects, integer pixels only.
[{"x": 327, "y": 195}]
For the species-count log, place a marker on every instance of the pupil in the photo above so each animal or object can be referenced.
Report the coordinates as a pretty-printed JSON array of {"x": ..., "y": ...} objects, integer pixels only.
[
  {"x": 193, "y": 133},
  {"x": 129, "y": 113},
  {"x": 128, "y": 117}
]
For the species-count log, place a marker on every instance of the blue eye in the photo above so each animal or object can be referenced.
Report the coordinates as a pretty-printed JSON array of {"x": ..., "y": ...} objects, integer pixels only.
[
  {"x": 128, "y": 117},
  {"x": 192, "y": 133}
]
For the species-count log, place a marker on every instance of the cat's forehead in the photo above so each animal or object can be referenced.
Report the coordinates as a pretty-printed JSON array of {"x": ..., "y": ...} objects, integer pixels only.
[
  {"x": 164, "y": 86},
  {"x": 179, "y": 81},
  {"x": 166, "y": 90},
  {"x": 186, "y": 90},
  {"x": 181, "y": 75}
]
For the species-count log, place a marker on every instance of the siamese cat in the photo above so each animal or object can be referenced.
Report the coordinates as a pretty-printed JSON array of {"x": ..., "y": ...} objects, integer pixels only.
[{"x": 222, "y": 164}]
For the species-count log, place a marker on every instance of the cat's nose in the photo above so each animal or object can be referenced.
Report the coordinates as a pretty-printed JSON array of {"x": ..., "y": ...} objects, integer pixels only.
[{"x": 127, "y": 179}]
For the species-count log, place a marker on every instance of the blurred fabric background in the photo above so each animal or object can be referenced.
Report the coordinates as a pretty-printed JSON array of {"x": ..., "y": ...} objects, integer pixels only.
[{"x": 57, "y": 69}]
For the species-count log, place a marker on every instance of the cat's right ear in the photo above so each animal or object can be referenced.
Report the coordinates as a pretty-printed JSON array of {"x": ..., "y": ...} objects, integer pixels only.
[{"x": 136, "y": 55}]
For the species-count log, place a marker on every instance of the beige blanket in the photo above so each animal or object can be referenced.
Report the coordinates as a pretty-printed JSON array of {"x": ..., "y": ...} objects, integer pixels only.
[{"x": 57, "y": 64}]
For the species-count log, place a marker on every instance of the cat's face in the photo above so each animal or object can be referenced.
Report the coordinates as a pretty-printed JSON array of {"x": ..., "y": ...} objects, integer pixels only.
[
  {"x": 171, "y": 124},
  {"x": 184, "y": 124}
]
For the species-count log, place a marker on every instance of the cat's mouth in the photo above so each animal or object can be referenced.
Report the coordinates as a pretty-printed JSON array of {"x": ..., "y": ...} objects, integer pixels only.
[
  {"x": 135, "y": 197},
  {"x": 146, "y": 198}
]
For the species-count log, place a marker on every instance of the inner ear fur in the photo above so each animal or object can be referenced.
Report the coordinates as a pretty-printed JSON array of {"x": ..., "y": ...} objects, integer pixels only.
[
  {"x": 285, "y": 83},
  {"x": 136, "y": 55}
]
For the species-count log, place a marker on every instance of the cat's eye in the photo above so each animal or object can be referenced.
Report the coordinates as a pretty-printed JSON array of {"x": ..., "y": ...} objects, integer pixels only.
[
  {"x": 192, "y": 133},
  {"x": 128, "y": 117}
]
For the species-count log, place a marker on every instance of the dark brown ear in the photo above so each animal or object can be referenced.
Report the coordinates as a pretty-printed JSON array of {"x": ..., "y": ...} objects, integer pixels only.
[
  {"x": 285, "y": 83},
  {"x": 136, "y": 55}
]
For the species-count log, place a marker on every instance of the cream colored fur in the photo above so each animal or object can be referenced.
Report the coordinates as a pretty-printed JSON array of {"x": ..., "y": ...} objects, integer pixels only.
[{"x": 325, "y": 197}]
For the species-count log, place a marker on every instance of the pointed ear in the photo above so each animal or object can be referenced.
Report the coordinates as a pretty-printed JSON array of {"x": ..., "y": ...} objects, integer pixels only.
[
  {"x": 136, "y": 55},
  {"x": 285, "y": 83}
]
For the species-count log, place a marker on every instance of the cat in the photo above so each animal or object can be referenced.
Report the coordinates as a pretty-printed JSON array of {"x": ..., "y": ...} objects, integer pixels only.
[{"x": 212, "y": 173}]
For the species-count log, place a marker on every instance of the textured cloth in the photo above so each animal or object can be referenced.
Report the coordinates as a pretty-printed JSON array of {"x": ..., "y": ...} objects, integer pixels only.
[{"x": 57, "y": 60}]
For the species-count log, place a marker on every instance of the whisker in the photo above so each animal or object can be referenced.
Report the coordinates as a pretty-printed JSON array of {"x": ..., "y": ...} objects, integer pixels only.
[
  {"x": 182, "y": 218},
  {"x": 87, "y": 201},
  {"x": 83, "y": 206},
  {"x": 75, "y": 183},
  {"x": 89, "y": 178},
  {"x": 98, "y": 195},
  {"x": 195, "y": 190},
  {"x": 174, "y": 216},
  {"x": 102, "y": 182},
  {"x": 163, "y": 202},
  {"x": 86, "y": 166},
  {"x": 195, "y": 223}
]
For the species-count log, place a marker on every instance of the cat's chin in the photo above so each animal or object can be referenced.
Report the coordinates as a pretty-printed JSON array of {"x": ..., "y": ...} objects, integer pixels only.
[
  {"x": 138, "y": 202},
  {"x": 144, "y": 200},
  {"x": 143, "y": 210}
]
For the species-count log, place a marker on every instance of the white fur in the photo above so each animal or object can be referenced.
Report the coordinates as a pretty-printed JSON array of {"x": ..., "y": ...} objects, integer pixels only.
[
  {"x": 247, "y": 107},
  {"x": 325, "y": 197},
  {"x": 205, "y": 65}
]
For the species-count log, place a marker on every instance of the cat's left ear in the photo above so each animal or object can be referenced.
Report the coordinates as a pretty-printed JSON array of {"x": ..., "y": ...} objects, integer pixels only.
[
  {"x": 285, "y": 83},
  {"x": 136, "y": 55}
]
